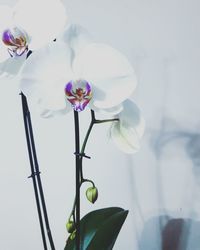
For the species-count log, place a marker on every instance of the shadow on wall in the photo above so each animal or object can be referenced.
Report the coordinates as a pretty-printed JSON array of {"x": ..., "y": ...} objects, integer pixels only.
[
  {"x": 171, "y": 134},
  {"x": 166, "y": 233}
]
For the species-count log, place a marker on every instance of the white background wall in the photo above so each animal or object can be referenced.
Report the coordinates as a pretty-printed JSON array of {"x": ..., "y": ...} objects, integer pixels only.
[{"x": 161, "y": 39}]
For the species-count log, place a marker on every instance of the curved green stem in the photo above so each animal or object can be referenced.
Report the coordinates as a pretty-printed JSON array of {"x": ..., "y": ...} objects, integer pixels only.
[
  {"x": 93, "y": 121},
  {"x": 87, "y": 180},
  {"x": 79, "y": 168},
  {"x": 88, "y": 132}
]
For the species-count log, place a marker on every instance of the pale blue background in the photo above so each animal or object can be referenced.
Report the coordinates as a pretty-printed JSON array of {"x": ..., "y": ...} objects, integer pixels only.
[{"x": 161, "y": 39}]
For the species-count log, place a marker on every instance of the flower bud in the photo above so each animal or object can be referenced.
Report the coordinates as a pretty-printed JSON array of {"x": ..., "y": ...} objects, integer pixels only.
[
  {"x": 70, "y": 226},
  {"x": 92, "y": 194},
  {"x": 73, "y": 235}
]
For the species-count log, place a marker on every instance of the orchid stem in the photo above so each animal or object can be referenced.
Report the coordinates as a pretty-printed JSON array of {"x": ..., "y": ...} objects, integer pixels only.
[
  {"x": 79, "y": 156},
  {"x": 93, "y": 121},
  {"x": 77, "y": 203},
  {"x": 88, "y": 132}
]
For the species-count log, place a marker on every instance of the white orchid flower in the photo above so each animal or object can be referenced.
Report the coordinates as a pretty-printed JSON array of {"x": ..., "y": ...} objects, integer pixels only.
[
  {"x": 29, "y": 25},
  {"x": 127, "y": 132},
  {"x": 77, "y": 74}
]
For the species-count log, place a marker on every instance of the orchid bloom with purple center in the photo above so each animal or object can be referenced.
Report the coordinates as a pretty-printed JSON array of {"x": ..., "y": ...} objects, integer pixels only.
[
  {"x": 78, "y": 93},
  {"x": 75, "y": 74},
  {"x": 24, "y": 27},
  {"x": 16, "y": 41},
  {"x": 95, "y": 76}
]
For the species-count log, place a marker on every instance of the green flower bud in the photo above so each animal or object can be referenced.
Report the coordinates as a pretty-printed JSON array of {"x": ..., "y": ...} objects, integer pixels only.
[
  {"x": 73, "y": 235},
  {"x": 70, "y": 226},
  {"x": 92, "y": 194}
]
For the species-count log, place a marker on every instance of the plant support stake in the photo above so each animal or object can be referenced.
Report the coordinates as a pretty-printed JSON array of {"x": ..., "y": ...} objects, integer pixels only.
[{"x": 35, "y": 174}]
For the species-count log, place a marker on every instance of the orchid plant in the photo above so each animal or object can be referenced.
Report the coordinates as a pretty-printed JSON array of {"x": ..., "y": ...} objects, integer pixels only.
[{"x": 68, "y": 71}]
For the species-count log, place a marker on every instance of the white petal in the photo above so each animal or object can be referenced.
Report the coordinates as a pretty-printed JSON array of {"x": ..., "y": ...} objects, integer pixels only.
[
  {"x": 47, "y": 104},
  {"x": 77, "y": 37},
  {"x": 126, "y": 139},
  {"x": 43, "y": 20},
  {"x": 126, "y": 133},
  {"x": 53, "y": 105},
  {"x": 112, "y": 92},
  {"x": 109, "y": 71},
  {"x": 4, "y": 55},
  {"x": 12, "y": 66},
  {"x": 111, "y": 112},
  {"x": 44, "y": 76},
  {"x": 131, "y": 116},
  {"x": 49, "y": 63}
]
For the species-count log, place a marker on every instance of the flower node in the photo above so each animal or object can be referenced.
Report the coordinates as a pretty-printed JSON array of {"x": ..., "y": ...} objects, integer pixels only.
[
  {"x": 78, "y": 93},
  {"x": 16, "y": 41}
]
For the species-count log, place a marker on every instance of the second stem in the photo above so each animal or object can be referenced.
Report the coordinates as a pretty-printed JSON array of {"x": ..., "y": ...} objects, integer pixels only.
[{"x": 77, "y": 153}]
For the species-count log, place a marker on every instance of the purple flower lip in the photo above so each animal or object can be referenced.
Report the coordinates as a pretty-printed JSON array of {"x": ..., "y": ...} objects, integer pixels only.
[
  {"x": 16, "y": 41},
  {"x": 79, "y": 94}
]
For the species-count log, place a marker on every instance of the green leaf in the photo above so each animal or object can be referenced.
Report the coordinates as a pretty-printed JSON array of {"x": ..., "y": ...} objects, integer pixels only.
[{"x": 99, "y": 229}]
